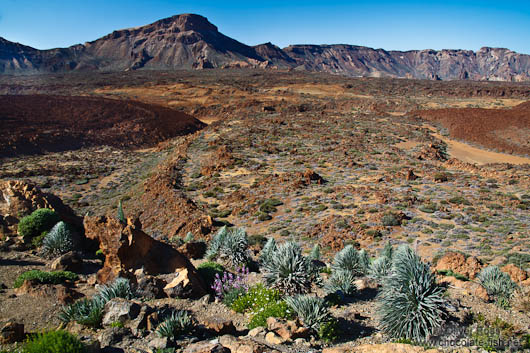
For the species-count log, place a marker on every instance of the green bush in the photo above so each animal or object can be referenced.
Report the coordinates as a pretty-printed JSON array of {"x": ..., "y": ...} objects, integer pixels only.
[
  {"x": 278, "y": 309},
  {"x": 54, "y": 342},
  {"x": 411, "y": 304},
  {"x": 257, "y": 297},
  {"x": 389, "y": 220},
  {"x": 178, "y": 323},
  {"x": 54, "y": 277},
  {"x": 208, "y": 270},
  {"x": 58, "y": 241},
  {"x": 329, "y": 331},
  {"x": 37, "y": 241},
  {"x": 41, "y": 220}
]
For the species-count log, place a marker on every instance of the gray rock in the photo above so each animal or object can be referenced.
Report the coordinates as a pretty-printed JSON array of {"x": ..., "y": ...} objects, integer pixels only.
[{"x": 119, "y": 309}]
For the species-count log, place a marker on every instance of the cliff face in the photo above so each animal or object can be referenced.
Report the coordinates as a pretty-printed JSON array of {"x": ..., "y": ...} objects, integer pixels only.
[{"x": 192, "y": 42}]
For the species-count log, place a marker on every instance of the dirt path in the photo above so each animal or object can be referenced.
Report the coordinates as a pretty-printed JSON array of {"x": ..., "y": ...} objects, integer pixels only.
[{"x": 470, "y": 154}]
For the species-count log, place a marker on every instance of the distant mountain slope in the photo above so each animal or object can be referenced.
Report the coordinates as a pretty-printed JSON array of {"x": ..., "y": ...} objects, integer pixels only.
[{"x": 191, "y": 42}]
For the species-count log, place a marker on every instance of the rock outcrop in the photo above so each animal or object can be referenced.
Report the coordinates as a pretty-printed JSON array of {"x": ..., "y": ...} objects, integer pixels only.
[
  {"x": 19, "y": 198},
  {"x": 126, "y": 247},
  {"x": 458, "y": 263}
]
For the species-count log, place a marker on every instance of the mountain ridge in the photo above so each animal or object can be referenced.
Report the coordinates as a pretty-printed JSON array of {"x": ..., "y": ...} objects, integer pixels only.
[{"x": 190, "y": 41}]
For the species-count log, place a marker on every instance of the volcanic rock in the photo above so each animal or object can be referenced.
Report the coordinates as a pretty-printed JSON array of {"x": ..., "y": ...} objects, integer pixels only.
[{"x": 127, "y": 247}]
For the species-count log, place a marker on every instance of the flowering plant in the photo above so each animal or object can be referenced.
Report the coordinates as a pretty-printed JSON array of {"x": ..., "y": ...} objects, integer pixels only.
[{"x": 230, "y": 282}]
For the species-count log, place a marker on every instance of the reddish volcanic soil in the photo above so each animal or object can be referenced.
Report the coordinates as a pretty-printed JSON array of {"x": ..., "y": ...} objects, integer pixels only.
[
  {"x": 506, "y": 130},
  {"x": 42, "y": 123}
]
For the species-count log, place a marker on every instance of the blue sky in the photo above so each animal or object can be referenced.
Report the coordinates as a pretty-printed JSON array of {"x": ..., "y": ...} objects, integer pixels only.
[{"x": 392, "y": 25}]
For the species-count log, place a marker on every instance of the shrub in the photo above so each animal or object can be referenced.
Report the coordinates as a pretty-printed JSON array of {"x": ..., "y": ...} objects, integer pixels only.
[
  {"x": 58, "y": 341},
  {"x": 121, "y": 215},
  {"x": 189, "y": 237},
  {"x": 88, "y": 312},
  {"x": 231, "y": 245},
  {"x": 312, "y": 310},
  {"x": 315, "y": 253},
  {"x": 411, "y": 304},
  {"x": 288, "y": 270},
  {"x": 257, "y": 297},
  {"x": 389, "y": 220},
  {"x": 342, "y": 283},
  {"x": 120, "y": 288},
  {"x": 278, "y": 309},
  {"x": 208, "y": 270},
  {"x": 54, "y": 277},
  {"x": 267, "y": 251},
  {"x": 58, "y": 241},
  {"x": 497, "y": 283},
  {"x": 37, "y": 241},
  {"x": 329, "y": 331},
  {"x": 380, "y": 268},
  {"x": 178, "y": 323},
  {"x": 40, "y": 220},
  {"x": 348, "y": 259}
]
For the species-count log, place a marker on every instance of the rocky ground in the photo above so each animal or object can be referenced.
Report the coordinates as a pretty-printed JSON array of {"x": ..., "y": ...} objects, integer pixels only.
[{"x": 309, "y": 158}]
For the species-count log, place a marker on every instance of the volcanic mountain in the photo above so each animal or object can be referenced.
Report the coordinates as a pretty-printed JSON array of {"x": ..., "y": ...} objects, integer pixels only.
[{"x": 190, "y": 41}]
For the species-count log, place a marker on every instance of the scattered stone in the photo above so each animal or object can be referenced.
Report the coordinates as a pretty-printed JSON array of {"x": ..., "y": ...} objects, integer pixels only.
[
  {"x": 206, "y": 347},
  {"x": 120, "y": 310},
  {"x": 12, "y": 332},
  {"x": 241, "y": 345},
  {"x": 257, "y": 332},
  {"x": 219, "y": 326},
  {"x": 288, "y": 330},
  {"x": 273, "y": 338},
  {"x": 380, "y": 348},
  {"x": 112, "y": 336},
  {"x": 71, "y": 261}
]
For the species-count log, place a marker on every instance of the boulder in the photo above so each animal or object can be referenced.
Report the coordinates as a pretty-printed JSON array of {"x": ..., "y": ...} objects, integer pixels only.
[
  {"x": 458, "y": 263},
  {"x": 126, "y": 247},
  {"x": 150, "y": 287},
  {"x": 19, "y": 198},
  {"x": 516, "y": 274},
  {"x": 219, "y": 326},
  {"x": 71, "y": 261},
  {"x": 288, "y": 330},
  {"x": 184, "y": 285},
  {"x": 241, "y": 345},
  {"x": 272, "y": 338},
  {"x": 12, "y": 332},
  {"x": 193, "y": 250},
  {"x": 120, "y": 310}
]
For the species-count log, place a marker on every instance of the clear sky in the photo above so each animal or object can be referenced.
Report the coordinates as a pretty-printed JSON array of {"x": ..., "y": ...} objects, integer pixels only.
[{"x": 392, "y": 25}]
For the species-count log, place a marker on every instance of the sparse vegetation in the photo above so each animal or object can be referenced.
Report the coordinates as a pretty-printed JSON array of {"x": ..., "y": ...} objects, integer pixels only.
[
  {"x": 41, "y": 220},
  {"x": 178, "y": 323},
  {"x": 54, "y": 277},
  {"x": 229, "y": 245}
]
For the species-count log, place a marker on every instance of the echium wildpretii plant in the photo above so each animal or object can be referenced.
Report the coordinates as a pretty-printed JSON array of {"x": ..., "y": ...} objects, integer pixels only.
[
  {"x": 229, "y": 282},
  {"x": 411, "y": 305}
]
